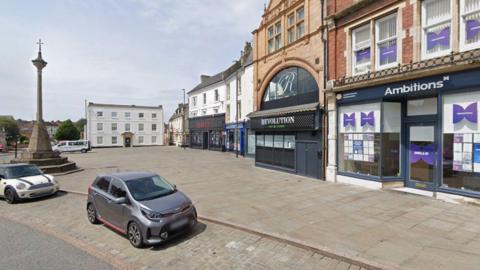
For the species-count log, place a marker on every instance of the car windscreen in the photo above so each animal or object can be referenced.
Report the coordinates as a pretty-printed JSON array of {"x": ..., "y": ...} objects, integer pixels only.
[
  {"x": 149, "y": 188},
  {"x": 23, "y": 171}
]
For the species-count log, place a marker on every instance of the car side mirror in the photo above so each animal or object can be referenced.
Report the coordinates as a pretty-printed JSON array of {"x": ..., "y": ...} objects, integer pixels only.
[
  {"x": 121, "y": 200},
  {"x": 174, "y": 187}
]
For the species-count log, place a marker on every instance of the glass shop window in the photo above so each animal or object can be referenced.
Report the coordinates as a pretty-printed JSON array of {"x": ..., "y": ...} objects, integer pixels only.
[
  {"x": 359, "y": 139},
  {"x": 461, "y": 141}
]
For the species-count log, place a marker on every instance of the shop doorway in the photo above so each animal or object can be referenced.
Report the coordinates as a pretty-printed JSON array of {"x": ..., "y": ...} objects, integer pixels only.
[
  {"x": 307, "y": 159},
  {"x": 205, "y": 140},
  {"x": 422, "y": 155}
]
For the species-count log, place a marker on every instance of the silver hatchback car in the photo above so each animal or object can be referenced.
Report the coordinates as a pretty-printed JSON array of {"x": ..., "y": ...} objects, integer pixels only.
[{"x": 143, "y": 206}]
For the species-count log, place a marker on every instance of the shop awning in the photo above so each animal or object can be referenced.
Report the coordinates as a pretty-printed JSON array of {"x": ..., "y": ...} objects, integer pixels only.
[{"x": 284, "y": 111}]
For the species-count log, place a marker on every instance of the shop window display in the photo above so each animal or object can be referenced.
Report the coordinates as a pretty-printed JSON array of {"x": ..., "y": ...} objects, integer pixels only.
[{"x": 461, "y": 141}]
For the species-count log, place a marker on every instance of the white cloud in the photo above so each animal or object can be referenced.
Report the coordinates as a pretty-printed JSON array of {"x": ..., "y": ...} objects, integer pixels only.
[{"x": 117, "y": 51}]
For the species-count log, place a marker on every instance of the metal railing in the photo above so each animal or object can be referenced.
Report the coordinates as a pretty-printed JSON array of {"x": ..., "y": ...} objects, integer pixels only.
[{"x": 459, "y": 58}]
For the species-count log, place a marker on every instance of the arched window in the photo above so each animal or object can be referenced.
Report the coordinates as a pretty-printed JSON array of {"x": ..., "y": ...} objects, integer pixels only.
[{"x": 291, "y": 86}]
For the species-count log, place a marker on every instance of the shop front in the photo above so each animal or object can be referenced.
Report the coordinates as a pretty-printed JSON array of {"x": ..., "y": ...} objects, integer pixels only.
[
  {"x": 287, "y": 130},
  {"x": 422, "y": 134},
  {"x": 236, "y": 137},
  {"x": 207, "y": 132}
]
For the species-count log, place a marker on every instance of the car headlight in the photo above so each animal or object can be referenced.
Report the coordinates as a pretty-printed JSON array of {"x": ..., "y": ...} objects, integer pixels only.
[
  {"x": 20, "y": 186},
  {"x": 151, "y": 215}
]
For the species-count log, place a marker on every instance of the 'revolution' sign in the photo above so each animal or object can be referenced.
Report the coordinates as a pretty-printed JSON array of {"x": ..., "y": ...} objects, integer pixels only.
[{"x": 289, "y": 122}]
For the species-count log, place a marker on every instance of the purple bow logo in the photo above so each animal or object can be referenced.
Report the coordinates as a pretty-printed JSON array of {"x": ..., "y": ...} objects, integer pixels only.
[
  {"x": 349, "y": 120},
  {"x": 425, "y": 153},
  {"x": 362, "y": 55},
  {"x": 368, "y": 119},
  {"x": 441, "y": 38},
  {"x": 472, "y": 29},
  {"x": 470, "y": 113}
]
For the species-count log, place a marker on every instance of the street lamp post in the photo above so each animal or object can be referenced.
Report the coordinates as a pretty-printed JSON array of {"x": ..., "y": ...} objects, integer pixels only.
[{"x": 183, "y": 121}]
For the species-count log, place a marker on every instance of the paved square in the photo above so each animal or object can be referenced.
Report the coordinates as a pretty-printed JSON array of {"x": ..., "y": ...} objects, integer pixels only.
[{"x": 394, "y": 229}]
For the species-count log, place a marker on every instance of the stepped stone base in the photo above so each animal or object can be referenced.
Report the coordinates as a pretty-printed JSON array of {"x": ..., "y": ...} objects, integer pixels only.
[{"x": 49, "y": 162}]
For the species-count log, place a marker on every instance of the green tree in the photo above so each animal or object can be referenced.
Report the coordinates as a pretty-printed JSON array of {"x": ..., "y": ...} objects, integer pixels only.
[
  {"x": 80, "y": 124},
  {"x": 11, "y": 128},
  {"x": 67, "y": 131}
]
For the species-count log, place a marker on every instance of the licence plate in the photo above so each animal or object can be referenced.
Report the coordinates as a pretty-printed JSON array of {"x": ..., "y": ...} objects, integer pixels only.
[{"x": 177, "y": 224}]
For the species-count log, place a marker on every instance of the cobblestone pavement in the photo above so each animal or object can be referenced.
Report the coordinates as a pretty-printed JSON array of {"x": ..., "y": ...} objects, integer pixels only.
[
  {"x": 394, "y": 229},
  {"x": 209, "y": 246}
]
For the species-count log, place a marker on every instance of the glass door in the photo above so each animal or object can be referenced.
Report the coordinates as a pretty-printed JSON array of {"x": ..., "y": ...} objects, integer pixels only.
[{"x": 422, "y": 155}]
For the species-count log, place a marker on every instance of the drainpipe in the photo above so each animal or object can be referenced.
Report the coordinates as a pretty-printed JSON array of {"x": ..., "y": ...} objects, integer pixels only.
[{"x": 325, "y": 78}]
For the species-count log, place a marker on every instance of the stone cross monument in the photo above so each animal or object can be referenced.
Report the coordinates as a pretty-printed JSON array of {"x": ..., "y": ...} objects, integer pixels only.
[
  {"x": 39, "y": 150},
  {"x": 39, "y": 146}
]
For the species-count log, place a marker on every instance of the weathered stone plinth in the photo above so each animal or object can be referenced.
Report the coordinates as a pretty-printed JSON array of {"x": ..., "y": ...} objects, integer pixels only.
[{"x": 40, "y": 153}]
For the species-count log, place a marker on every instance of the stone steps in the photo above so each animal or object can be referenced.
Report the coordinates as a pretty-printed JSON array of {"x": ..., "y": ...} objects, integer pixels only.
[{"x": 59, "y": 168}]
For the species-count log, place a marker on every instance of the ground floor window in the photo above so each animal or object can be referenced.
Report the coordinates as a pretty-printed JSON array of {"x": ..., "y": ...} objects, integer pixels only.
[
  {"x": 215, "y": 139},
  {"x": 276, "y": 149},
  {"x": 197, "y": 139},
  {"x": 461, "y": 141},
  {"x": 251, "y": 143},
  {"x": 369, "y": 139}
]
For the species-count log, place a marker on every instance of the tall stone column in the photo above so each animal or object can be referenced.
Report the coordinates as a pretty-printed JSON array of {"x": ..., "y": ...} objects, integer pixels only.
[{"x": 39, "y": 146}]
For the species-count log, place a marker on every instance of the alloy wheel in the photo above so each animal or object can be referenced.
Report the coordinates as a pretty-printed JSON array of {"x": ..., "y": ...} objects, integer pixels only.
[
  {"x": 92, "y": 214},
  {"x": 134, "y": 235},
  {"x": 9, "y": 196}
]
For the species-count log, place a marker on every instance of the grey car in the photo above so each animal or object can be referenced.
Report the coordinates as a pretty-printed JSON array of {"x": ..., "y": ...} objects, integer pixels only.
[{"x": 141, "y": 205}]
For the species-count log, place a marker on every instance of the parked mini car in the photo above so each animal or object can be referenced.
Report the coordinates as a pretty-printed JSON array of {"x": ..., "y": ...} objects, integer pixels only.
[
  {"x": 143, "y": 206},
  {"x": 72, "y": 146},
  {"x": 25, "y": 181}
]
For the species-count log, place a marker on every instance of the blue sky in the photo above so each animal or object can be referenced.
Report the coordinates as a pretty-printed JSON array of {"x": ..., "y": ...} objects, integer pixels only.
[{"x": 116, "y": 51}]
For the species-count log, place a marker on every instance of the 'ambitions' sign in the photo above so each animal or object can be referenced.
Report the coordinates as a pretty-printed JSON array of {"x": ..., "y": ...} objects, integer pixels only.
[{"x": 427, "y": 86}]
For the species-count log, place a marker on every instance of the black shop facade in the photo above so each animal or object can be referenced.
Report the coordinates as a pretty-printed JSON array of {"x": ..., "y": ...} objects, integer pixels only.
[
  {"x": 207, "y": 132},
  {"x": 287, "y": 128}
]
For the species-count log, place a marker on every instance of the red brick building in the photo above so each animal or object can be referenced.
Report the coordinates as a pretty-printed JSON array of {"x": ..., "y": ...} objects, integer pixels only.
[{"x": 403, "y": 94}]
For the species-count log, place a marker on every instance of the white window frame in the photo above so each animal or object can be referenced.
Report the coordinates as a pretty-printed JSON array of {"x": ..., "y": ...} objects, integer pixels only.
[
  {"x": 378, "y": 42},
  {"x": 116, "y": 126},
  {"x": 99, "y": 114},
  {"x": 142, "y": 127},
  {"x": 204, "y": 98},
  {"x": 438, "y": 22},
  {"x": 129, "y": 127},
  {"x": 354, "y": 49},
  {"x": 116, "y": 140},
  {"x": 141, "y": 140},
  {"x": 99, "y": 126},
  {"x": 154, "y": 139},
  {"x": 101, "y": 138},
  {"x": 128, "y": 115},
  {"x": 154, "y": 115},
  {"x": 141, "y": 115},
  {"x": 463, "y": 35},
  {"x": 154, "y": 127}
]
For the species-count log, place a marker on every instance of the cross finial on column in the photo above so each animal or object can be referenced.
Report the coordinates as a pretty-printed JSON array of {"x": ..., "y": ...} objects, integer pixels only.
[{"x": 40, "y": 43}]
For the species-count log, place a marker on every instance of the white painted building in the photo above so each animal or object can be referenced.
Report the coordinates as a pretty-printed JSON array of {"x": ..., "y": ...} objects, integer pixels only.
[
  {"x": 176, "y": 125},
  {"x": 240, "y": 102},
  {"x": 110, "y": 125}
]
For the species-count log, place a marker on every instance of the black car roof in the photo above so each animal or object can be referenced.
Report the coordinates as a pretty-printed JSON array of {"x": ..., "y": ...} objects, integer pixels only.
[
  {"x": 4, "y": 166},
  {"x": 126, "y": 176}
]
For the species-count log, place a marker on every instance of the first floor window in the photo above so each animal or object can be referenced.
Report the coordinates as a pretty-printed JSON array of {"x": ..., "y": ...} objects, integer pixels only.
[
  {"x": 114, "y": 140},
  {"x": 114, "y": 126},
  {"x": 99, "y": 126},
  {"x": 361, "y": 49},
  {"x": 99, "y": 140},
  {"x": 470, "y": 24},
  {"x": 436, "y": 24},
  {"x": 386, "y": 41},
  {"x": 127, "y": 115},
  {"x": 141, "y": 115},
  {"x": 140, "y": 127},
  {"x": 127, "y": 127},
  {"x": 99, "y": 114},
  {"x": 154, "y": 116},
  {"x": 154, "y": 127},
  {"x": 114, "y": 115}
]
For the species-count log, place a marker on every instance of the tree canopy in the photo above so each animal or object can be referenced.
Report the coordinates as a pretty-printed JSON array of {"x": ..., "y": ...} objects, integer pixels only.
[
  {"x": 80, "y": 124},
  {"x": 12, "y": 130},
  {"x": 67, "y": 131}
]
